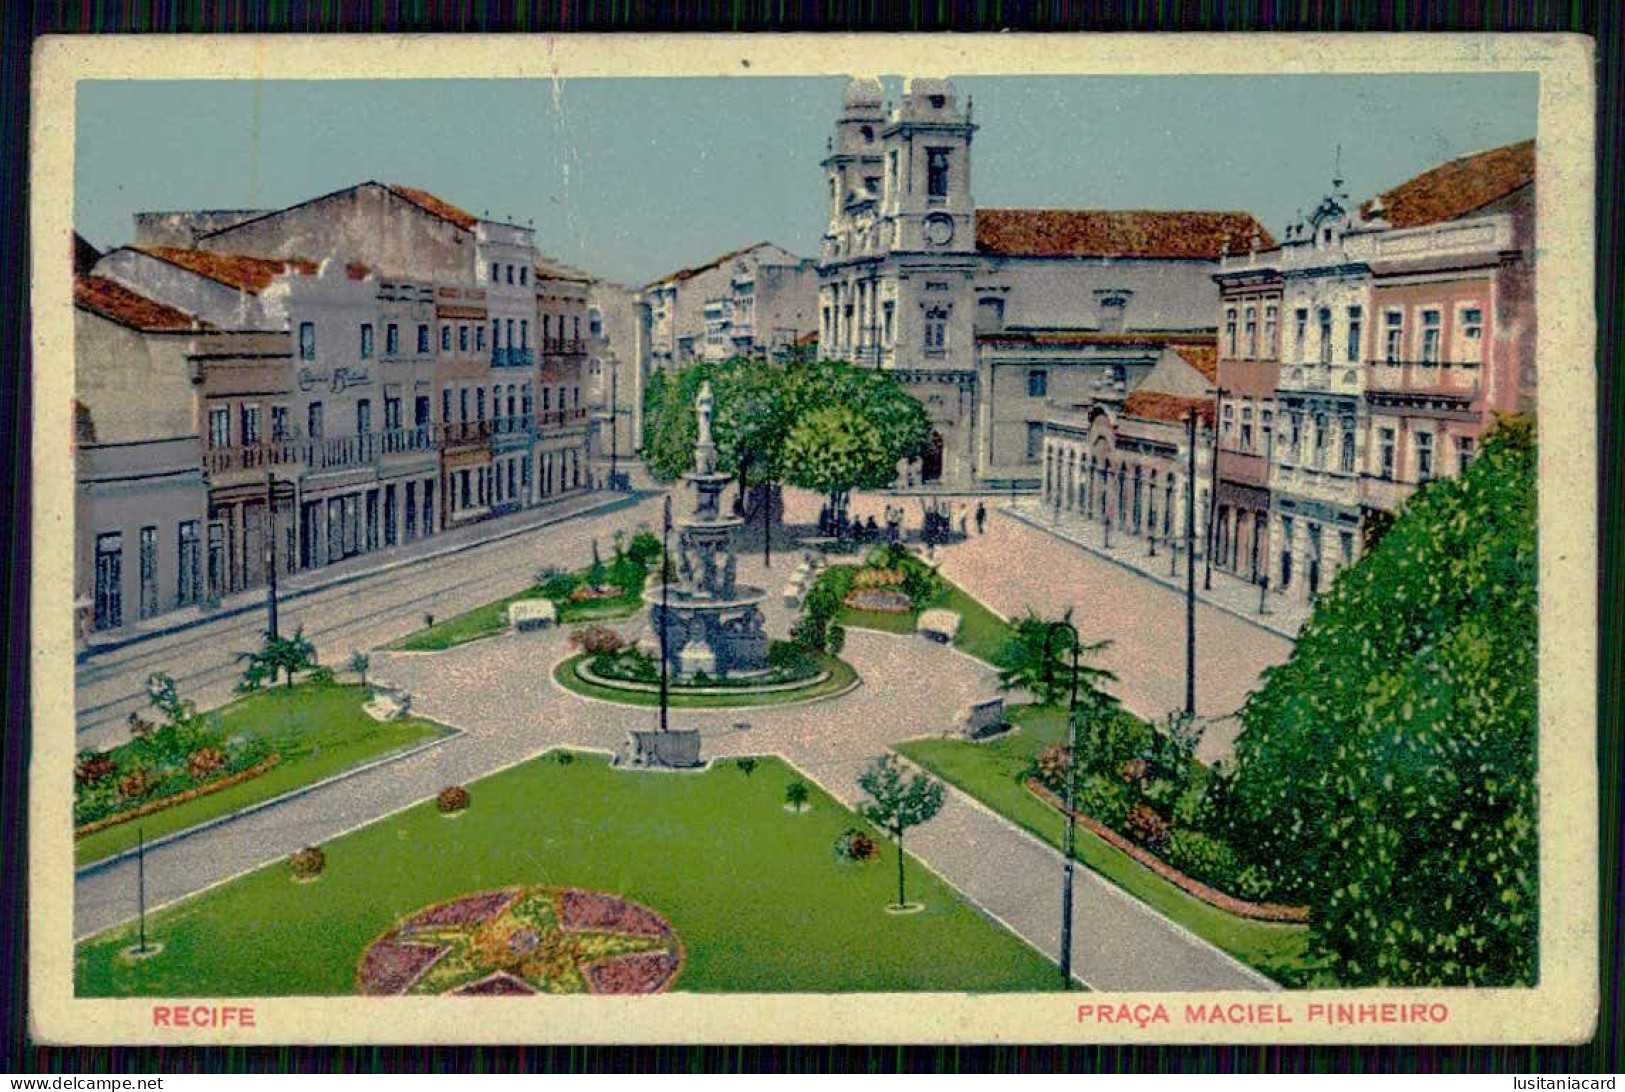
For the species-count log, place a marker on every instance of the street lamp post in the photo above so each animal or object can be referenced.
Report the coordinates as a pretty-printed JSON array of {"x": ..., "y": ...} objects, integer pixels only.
[
  {"x": 1190, "y": 568},
  {"x": 270, "y": 554},
  {"x": 614, "y": 422},
  {"x": 1067, "y": 845},
  {"x": 665, "y": 613}
]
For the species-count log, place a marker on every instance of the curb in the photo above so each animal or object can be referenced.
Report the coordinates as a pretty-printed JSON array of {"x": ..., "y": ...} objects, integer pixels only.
[
  {"x": 86, "y": 655},
  {"x": 82, "y": 871},
  {"x": 1120, "y": 563}
]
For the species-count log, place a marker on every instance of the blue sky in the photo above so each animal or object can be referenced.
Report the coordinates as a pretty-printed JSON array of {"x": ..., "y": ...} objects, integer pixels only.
[{"x": 633, "y": 178}]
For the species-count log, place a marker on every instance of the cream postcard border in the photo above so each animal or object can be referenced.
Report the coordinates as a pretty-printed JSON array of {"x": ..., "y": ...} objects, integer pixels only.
[{"x": 1562, "y": 1008}]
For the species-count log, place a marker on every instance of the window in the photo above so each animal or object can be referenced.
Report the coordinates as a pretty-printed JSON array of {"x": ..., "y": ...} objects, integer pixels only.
[
  {"x": 936, "y": 330},
  {"x": 510, "y": 334},
  {"x": 1324, "y": 318},
  {"x": 1386, "y": 446},
  {"x": 251, "y": 425},
  {"x": 420, "y": 411},
  {"x": 1424, "y": 457},
  {"x": 496, "y": 272},
  {"x": 149, "y": 572},
  {"x": 1345, "y": 546},
  {"x": 479, "y": 338},
  {"x": 524, "y": 333},
  {"x": 510, "y": 274},
  {"x": 220, "y": 426},
  {"x": 445, "y": 338},
  {"x": 1471, "y": 325},
  {"x": 279, "y": 423},
  {"x": 496, "y": 402},
  {"x": 1035, "y": 440},
  {"x": 1346, "y": 456},
  {"x": 526, "y": 400},
  {"x": 547, "y": 400},
  {"x": 445, "y": 406},
  {"x": 936, "y": 172},
  {"x": 363, "y": 416},
  {"x": 1230, "y": 331},
  {"x": 392, "y": 413},
  {"x": 1302, "y": 328},
  {"x": 366, "y": 340},
  {"x": 1037, "y": 383},
  {"x": 888, "y": 312},
  {"x": 1355, "y": 325},
  {"x": 1464, "y": 454},
  {"x": 1252, "y": 332},
  {"x": 479, "y": 404},
  {"x": 462, "y": 339},
  {"x": 575, "y": 323},
  {"x": 423, "y": 337},
  {"x": 1228, "y": 424},
  {"x": 1393, "y": 336},
  {"x": 313, "y": 421},
  {"x": 524, "y": 274},
  {"x": 1246, "y": 428},
  {"x": 1320, "y": 440},
  {"x": 496, "y": 334},
  {"x": 392, "y": 339},
  {"x": 1295, "y": 442},
  {"x": 1268, "y": 422},
  {"x": 307, "y": 341},
  {"x": 462, "y": 405},
  {"x": 1269, "y": 329},
  {"x": 1430, "y": 335},
  {"x": 109, "y": 604},
  {"x": 187, "y": 571}
]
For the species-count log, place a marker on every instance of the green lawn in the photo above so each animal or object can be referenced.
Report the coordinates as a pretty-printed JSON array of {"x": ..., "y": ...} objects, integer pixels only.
[
  {"x": 492, "y": 618},
  {"x": 993, "y": 772},
  {"x": 981, "y": 632},
  {"x": 318, "y": 730},
  {"x": 841, "y": 676},
  {"x": 756, "y": 893}
]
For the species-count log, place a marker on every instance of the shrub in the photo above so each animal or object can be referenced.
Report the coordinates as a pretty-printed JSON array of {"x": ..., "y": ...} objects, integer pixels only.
[
  {"x": 790, "y": 658},
  {"x": 1132, "y": 771},
  {"x": 135, "y": 784},
  {"x": 204, "y": 762},
  {"x": 1103, "y": 800},
  {"x": 1204, "y": 857},
  {"x": 885, "y": 556},
  {"x": 644, "y": 548},
  {"x": 452, "y": 798},
  {"x": 856, "y": 845},
  {"x": 308, "y": 863},
  {"x": 321, "y": 675},
  {"x": 920, "y": 583},
  {"x": 747, "y": 766},
  {"x": 877, "y": 578},
  {"x": 1050, "y": 765},
  {"x": 566, "y": 757},
  {"x": 92, "y": 767},
  {"x": 1146, "y": 827},
  {"x": 1114, "y": 737},
  {"x": 559, "y": 586},
  {"x": 597, "y": 640},
  {"x": 835, "y": 640}
]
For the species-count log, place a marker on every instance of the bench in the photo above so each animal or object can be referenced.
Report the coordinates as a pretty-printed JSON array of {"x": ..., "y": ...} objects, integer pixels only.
[
  {"x": 529, "y": 614},
  {"x": 388, "y": 704},
  {"x": 939, "y": 625}
]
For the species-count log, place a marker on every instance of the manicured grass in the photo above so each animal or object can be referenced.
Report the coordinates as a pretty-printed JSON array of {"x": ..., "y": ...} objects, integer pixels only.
[
  {"x": 492, "y": 618},
  {"x": 841, "y": 676},
  {"x": 318, "y": 730},
  {"x": 993, "y": 773},
  {"x": 756, "y": 892},
  {"x": 981, "y": 632}
]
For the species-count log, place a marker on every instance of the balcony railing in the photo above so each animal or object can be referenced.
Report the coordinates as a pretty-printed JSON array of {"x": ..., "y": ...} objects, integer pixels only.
[
  {"x": 1458, "y": 377},
  {"x": 335, "y": 453},
  {"x": 563, "y": 346},
  {"x": 463, "y": 433},
  {"x": 509, "y": 357},
  {"x": 561, "y": 418},
  {"x": 513, "y": 426}
]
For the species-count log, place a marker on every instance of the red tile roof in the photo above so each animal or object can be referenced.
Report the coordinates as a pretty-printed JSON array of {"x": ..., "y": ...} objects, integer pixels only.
[
  {"x": 1460, "y": 187},
  {"x": 240, "y": 271},
  {"x": 1095, "y": 233},
  {"x": 1203, "y": 356},
  {"x": 114, "y": 302},
  {"x": 558, "y": 271},
  {"x": 433, "y": 205},
  {"x": 1161, "y": 406},
  {"x": 696, "y": 270}
]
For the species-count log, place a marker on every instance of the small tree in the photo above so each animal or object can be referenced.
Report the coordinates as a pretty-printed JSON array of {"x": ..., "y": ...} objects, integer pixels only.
[
  {"x": 796, "y": 794},
  {"x": 1049, "y": 678},
  {"x": 284, "y": 655},
  {"x": 359, "y": 663},
  {"x": 895, "y": 805},
  {"x": 747, "y": 766}
]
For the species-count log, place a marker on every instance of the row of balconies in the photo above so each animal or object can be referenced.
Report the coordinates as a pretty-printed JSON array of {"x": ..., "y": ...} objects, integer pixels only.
[{"x": 365, "y": 449}]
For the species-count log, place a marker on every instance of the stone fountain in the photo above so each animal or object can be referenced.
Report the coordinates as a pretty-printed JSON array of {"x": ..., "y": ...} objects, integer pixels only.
[{"x": 713, "y": 624}]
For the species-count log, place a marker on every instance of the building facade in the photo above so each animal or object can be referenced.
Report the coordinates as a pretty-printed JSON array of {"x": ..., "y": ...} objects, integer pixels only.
[{"x": 983, "y": 312}]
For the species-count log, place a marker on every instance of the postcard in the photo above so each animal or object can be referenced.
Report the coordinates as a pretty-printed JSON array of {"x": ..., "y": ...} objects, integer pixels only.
[{"x": 813, "y": 539}]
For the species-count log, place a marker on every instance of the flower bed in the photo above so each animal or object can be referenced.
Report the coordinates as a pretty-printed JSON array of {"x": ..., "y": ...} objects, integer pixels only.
[
  {"x": 149, "y": 807},
  {"x": 879, "y": 600},
  {"x": 524, "y": 941},
  {"x": 1210, "y": 895}
]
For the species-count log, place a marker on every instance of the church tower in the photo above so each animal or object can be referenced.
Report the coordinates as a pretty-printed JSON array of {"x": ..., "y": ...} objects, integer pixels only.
[
  {"x": 927, "y": 185},
  {"x": 852, "y": 168}
]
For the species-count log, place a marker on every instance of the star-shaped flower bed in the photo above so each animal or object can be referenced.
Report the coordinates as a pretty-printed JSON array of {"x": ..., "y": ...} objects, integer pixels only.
[{"x": 523, "y": 941}]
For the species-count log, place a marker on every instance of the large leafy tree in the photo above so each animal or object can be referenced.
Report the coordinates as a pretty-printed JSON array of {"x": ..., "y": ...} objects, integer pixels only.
[
  {"x": 834, "y": 450},
  {"x": 1386, "y": 772}
]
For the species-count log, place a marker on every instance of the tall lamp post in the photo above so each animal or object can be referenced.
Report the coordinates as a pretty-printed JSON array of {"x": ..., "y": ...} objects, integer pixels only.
[
  {"x": 665, "y": 613},
  {"x": 1190, "y": 567},
  {"x": 614, "y": 422},
  {"x": 270, "y": 554},
  {"x": 1067, "y": 844}
]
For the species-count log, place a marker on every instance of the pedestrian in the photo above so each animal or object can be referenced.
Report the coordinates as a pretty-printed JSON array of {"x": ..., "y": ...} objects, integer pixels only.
[
  {"x": 964, "y": 513},
  {"x": 981, "y": 516}
]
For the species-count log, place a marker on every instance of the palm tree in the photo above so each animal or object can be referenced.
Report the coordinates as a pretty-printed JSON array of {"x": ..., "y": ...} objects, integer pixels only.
[{"x": 1039, "y": 658}]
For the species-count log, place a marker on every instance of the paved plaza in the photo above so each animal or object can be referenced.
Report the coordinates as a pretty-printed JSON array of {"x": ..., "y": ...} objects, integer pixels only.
[{"x": 500, "y": 693}]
